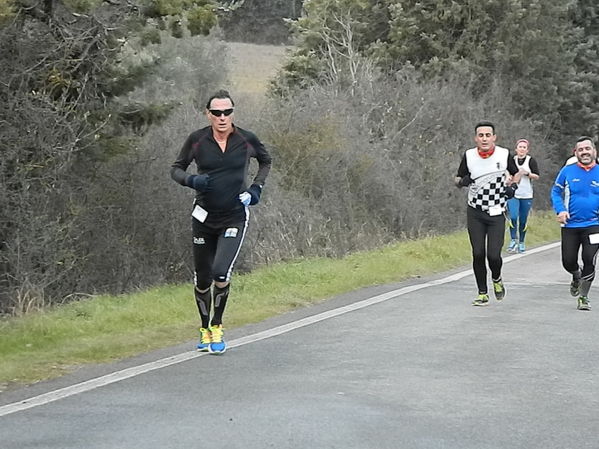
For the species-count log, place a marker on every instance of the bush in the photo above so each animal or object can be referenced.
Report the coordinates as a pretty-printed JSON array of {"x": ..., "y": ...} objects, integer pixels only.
[
  {"x": 356, "y": 171},
  {"x": 79, "y": 219}
]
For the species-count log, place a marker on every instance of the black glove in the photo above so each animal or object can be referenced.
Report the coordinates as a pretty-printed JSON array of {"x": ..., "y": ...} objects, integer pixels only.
[
  {"x": 201, "y": 183},
  {"x": 255, "y": 191},
  {"x": 510, "y": 190},
  {"x": 465, "y": 181}
]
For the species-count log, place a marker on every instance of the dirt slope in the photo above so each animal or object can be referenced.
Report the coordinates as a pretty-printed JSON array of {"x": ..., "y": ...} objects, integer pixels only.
[{"x": 253, "y": 66}]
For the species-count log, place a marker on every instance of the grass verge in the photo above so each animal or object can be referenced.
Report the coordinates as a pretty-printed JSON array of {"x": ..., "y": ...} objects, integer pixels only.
[{"x": 47, "y": 344}]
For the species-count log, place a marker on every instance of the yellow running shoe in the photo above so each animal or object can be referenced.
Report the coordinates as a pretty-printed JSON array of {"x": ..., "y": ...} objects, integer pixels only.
[
  {"x": 205, "y": 339},
  {"x": 481, "y": 300},
  {"x": 499, "y": 290}
]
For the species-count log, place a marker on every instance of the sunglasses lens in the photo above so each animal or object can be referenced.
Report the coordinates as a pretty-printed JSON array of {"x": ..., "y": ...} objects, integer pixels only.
[{"x": 218, "y": 112}]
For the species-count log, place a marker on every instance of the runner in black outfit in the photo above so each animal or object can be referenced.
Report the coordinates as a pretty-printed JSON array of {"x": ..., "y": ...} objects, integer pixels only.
[
  {"x": 220, "y": 216},
  {"x": 483, "y": 171}
]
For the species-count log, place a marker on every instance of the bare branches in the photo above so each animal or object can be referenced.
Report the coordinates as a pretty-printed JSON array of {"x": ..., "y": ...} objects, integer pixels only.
[{"x": 53, "y": 108}]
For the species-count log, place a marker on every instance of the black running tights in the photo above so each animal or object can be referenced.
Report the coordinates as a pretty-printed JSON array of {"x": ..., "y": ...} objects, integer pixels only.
[
  {"x": 486, "y": 237},
  {"x": 572, "y": 240}
]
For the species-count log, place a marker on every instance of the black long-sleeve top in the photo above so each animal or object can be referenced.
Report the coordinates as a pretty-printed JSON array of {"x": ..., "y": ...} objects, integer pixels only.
[{"x": 228, "y": 170}]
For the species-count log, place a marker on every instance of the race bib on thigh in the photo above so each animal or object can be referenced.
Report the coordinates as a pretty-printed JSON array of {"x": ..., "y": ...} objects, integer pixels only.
[
  {"x": 231, "y": 232},
  {"x": 593, "y": 239},
  {"x": 199, "y": 214}
]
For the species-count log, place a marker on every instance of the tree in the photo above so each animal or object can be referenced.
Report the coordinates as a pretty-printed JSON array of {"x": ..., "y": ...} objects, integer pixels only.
[
  {"x": 334, "y": 36},
  {"x": 521, "y": 42},
  {"x": 543, "y": 52},
  {"x": 63, "y": 113},
  {"x": 580, "y": 109},
  {"x": 258, "y": 21}
]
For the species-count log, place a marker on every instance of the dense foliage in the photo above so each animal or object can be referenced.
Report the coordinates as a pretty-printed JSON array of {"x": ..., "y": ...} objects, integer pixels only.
[
  {"x": 544, "y": 52},
  {"x": 259, "y": 21},
  {"x": 68, "y": 70}
]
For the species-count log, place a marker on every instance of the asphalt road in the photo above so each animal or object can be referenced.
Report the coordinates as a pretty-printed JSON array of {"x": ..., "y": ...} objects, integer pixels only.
[{"x": 411, "y": 365}]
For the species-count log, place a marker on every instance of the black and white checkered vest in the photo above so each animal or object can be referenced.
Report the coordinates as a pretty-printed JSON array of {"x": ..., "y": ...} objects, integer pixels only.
[{"x": 488, "y": 188}]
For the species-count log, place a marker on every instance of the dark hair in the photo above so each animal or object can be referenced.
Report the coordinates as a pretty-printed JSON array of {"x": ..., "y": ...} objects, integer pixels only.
[
  {"x": 583, "y": 138},
  {"x": 220, "y": 94},
  {"x": 484, "y": 123}
]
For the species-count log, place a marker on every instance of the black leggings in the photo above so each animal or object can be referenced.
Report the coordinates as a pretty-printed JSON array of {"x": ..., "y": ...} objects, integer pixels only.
[
  {"x": 216, "y": 245},
  {"x": 486, "y": 237},
  {"x": 572, "y": 240}
]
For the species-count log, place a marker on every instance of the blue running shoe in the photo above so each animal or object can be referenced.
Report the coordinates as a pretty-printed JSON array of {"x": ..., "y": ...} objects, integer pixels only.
[
  {"x": 205, "y": 339},
  {"x": 512, "y": 247},
  {"x": 218, "y": 345},
  {"x": 521, "y": 247}
]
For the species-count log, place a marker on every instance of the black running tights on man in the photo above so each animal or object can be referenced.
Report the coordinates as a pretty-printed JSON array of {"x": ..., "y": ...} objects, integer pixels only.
[
  {"x": 487, "y": 235},
  {"x": 572, "y": 240}
]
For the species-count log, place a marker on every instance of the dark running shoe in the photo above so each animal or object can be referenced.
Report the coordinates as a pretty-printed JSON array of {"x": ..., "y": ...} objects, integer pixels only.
[
  {"x": 583, "y": 303},
  {"x": 499, "y": 290}
]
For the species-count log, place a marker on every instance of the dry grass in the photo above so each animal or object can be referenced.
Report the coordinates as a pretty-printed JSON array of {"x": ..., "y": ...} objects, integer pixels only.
[{"x": 252, "y": 66}]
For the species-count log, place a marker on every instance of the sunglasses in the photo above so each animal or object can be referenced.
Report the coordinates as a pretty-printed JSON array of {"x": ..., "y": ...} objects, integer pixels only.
[{"x": 218, "y": 112}]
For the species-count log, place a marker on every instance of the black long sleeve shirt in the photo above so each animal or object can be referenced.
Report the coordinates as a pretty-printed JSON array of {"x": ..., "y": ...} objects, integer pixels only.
[{"x": 228, "y": 170}]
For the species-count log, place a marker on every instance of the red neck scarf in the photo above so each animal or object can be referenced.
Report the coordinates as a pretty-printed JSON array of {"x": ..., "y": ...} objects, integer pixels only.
[{"x": 486, "y": 154}]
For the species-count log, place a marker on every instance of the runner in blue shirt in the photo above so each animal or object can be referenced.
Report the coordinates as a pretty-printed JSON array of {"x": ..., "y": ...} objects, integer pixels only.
[{"x": 575, "y": 198}]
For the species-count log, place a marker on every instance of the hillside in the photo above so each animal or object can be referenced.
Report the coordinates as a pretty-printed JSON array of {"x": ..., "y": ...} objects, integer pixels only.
[{"x": 253, "y": 66}]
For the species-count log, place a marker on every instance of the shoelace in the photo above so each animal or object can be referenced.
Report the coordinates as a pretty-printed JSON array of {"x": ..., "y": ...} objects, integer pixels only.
[
  {"x": 205, "y": 336},
  {"x": 497, "y": 286},
  {"x": 217, "y": 334}
]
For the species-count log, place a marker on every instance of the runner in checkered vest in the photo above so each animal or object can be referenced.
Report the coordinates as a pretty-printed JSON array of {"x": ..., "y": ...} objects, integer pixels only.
[{"x": 491, "y": 176}]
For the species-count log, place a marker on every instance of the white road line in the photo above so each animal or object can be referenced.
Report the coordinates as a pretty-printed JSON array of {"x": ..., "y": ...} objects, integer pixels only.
[{"x": 173, "y": 360}]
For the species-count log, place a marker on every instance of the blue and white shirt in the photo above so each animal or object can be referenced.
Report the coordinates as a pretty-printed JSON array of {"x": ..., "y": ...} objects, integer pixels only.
[{"x": 576, "y": 191}]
